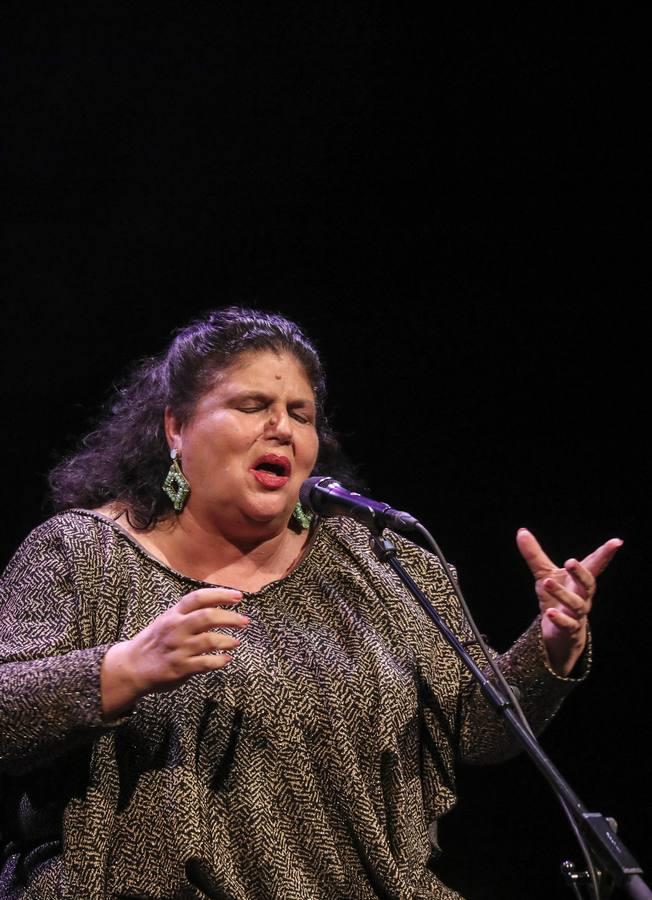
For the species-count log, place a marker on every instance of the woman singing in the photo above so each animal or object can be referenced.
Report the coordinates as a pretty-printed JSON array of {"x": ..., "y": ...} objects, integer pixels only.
[{"x": 205, "y": 692}]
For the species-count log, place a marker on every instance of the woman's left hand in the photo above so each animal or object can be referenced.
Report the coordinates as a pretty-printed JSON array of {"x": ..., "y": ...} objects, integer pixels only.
[{"x": 565, "y": 597}]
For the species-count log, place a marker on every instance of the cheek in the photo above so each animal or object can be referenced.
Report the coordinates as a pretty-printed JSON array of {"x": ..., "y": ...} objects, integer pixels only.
[
  {"x": 230, "y": 433},
  {"x": 310, "y": 451}
]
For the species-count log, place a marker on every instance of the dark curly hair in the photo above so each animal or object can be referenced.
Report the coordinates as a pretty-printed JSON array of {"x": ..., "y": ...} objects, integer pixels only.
[{"x": 126, "y": 457}]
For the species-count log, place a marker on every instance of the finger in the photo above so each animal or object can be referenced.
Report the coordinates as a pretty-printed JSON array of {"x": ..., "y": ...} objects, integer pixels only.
[
  {"x": 202, "y": 620},
  {"x": 532, "y": 552},
  {"x": 582, "y": 576},
  {"x": 574, "y": 604},
  {"x": 563, "y": 621},
  {"x": 207, "y": 597},
  {"x": 204, "y": 662},
  {"x": 211, "y": 642},
  {"x": 598, "y": 561},
  {"x": 210, "y": 662}
]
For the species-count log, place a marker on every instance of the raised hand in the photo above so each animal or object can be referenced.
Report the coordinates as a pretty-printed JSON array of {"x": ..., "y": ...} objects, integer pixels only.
[
  {"x": 565, "y": 597},
  {"x": 179, "y": 643}
]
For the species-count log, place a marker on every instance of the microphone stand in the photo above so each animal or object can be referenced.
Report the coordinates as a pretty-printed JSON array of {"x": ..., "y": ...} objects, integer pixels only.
[{"x": 614, "y": 857}]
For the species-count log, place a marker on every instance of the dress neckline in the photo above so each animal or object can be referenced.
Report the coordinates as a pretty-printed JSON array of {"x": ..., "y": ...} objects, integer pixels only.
[{"x": 115, "y": 525}]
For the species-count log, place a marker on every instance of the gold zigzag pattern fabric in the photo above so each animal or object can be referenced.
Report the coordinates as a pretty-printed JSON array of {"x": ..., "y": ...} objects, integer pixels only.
[{"x": 311, "y": 768}]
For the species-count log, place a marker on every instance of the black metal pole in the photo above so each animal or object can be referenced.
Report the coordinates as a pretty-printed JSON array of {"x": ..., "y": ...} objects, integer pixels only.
[{"x": 614, "y": 857}]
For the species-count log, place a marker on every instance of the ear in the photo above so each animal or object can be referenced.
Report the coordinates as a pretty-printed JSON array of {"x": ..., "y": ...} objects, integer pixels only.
[{"x": 172, "y": 430}]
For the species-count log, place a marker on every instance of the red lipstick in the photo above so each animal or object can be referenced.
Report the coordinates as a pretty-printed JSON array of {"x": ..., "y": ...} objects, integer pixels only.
[{"x": 271, "y": 470}]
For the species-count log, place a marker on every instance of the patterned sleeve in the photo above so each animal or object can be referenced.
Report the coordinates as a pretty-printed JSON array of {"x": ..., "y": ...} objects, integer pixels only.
[
  {"x": 484, "y": 737},
  {"x": 481, "y": 734},
  {"x": 49, "y": 668}
]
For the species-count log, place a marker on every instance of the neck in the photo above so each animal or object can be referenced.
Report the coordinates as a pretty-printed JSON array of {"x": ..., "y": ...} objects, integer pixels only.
[
  {"x": 241, "y": 558},
  {"x": 199, "y": 538}
]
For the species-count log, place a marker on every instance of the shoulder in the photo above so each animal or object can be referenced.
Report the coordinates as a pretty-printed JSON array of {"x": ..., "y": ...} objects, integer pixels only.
[
  {"x": 355, "y": 541},
  {"x": 71, "y": 526},
  {"x": 66, "y": 538},
  {"x": 345, "y": 557},
  {"x": 347, "y": 532}
]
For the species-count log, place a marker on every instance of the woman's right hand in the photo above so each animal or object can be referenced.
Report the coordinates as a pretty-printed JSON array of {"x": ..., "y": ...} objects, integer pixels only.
[{"x": 179, "y": 643}]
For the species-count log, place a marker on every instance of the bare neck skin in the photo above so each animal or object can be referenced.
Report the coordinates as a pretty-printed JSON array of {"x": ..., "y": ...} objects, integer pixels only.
[{"x": 247, "y": 564}]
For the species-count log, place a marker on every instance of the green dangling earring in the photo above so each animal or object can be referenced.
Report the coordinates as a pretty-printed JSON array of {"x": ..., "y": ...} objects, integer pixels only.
[
  {"x": 303, "y": 518},
  {"x": 176, "y": 485}
]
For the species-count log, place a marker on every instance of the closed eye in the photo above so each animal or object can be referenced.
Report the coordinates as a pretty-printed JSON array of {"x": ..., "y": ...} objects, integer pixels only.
[{"x": 297, "y": 415}]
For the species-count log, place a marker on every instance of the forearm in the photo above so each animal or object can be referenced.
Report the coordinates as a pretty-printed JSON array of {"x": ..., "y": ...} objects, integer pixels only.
[
  {"x": 484, "y": 736},
  {"x": 48, "y": 703}
]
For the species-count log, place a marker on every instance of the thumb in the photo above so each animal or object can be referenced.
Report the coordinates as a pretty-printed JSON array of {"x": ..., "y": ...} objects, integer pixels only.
[{"x": 530, "y": 549}]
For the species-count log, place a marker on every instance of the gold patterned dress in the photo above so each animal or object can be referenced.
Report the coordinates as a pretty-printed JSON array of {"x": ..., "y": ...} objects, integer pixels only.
[{"x": 313, "y": 767}]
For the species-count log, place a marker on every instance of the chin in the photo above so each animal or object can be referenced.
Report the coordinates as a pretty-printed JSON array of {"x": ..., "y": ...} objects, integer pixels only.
[{"x": 269, "y": 514}]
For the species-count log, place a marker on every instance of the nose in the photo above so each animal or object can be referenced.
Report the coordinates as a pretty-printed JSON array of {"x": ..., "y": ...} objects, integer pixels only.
[{"x": 278, "y": 425}]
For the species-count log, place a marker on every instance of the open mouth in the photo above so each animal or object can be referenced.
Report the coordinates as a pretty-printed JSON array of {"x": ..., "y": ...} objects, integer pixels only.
[
  {"x": 277, "y": 465},
  {"x": 272, "y": 471}
]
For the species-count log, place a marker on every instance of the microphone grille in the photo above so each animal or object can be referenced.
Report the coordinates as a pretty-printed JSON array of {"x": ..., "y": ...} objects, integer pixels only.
[{"x": 310, "y": 498}]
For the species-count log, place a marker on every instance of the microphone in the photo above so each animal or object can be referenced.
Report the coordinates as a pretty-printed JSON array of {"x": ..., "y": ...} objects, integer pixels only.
[{"x": 327, "y": 497}]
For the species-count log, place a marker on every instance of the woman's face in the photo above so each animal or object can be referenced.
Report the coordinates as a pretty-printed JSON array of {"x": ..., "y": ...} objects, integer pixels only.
[{"x": 249, "y": 444}]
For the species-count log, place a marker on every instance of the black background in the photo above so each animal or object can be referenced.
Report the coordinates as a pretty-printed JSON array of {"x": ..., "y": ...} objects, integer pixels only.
[{"x": 454, "y": 208}]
